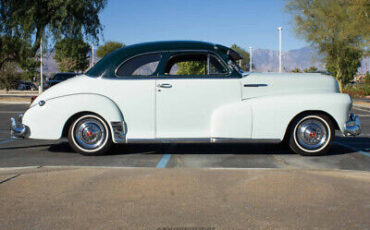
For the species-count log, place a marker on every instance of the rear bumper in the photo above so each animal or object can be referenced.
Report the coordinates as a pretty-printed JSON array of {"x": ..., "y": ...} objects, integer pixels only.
[
  {"x": 352, "y": 126},
  {"x": 17, "y": 129}
]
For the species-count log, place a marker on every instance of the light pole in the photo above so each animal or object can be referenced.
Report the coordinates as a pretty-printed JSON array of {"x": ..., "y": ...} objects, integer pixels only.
[
  {"x": 41, "y": 88},
  {"x": 92, "y": 55},
  {"x": 250, "y": 58},
  {"x": 280, "y": 48}
]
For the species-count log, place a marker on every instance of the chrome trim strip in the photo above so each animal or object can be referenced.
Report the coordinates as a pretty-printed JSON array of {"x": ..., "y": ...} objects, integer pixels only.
[
  {"x": 170, "y": 140},
  {"x": 203, "y": 140},
  {"x": 244, "y": 140},
  {"x": 255, "y": 85}
]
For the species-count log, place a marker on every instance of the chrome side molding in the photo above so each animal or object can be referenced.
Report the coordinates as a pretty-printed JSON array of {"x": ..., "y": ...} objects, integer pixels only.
[
  {"x": 203, "y": 140},
  {"x": 255, "y": 85},
  {"x": 119, "y": 131}
]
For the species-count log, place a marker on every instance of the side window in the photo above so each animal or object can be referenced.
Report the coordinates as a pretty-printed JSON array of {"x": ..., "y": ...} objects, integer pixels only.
[
  {"x": 194, "y": 64},
  {"x": 144, "y": 65},
  {"x": 187, "y": 64}
]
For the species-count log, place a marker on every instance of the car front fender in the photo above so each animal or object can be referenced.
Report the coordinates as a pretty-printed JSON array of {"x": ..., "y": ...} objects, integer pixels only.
[{"x": 273, "y": 114}]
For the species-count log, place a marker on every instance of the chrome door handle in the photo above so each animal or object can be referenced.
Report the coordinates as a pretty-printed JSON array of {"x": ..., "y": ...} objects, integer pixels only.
[
  {"x": 165, "y": 85},
  {"x": 255, "y": 85}
]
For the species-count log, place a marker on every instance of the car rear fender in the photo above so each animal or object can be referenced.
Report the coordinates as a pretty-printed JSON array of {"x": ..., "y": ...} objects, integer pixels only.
[{"x": 48, "y": 121}]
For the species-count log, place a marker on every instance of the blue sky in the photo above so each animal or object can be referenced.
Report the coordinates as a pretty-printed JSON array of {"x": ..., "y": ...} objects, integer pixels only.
[{"x": 244, "y": 22}]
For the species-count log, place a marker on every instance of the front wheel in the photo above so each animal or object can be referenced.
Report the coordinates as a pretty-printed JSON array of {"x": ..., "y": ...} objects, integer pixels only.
[
  {"x": 311, "y": 135},
  {"x": 89, "y": 135}
]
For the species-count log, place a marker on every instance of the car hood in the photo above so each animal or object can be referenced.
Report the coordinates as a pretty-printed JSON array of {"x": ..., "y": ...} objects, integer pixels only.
[{"x": 267, "y": 84}]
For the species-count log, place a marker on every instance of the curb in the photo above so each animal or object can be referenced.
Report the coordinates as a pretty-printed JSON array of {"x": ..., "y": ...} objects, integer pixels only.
[
  {"x": 15, "y": 102},
  {"x": 17, "y": 95},
  {"x": 2, "y": 169},
  {"x": 361, "y": 107}
]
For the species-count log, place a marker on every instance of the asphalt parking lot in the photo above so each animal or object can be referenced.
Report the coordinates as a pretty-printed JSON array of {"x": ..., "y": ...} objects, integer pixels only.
[
  {"x": 201, "y": 186},
  {"x": 351, "y": 153}
]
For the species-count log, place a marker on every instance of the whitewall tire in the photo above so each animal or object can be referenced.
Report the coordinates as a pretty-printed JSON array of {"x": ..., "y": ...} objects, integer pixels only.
[
  {"x": 311, "y": 134},
  {"x": 90, "y": 135}
]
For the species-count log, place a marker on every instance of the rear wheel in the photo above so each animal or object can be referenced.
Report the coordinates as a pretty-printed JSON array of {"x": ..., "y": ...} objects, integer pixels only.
[
  {"x": 311, "y": 135},
  {"x": 89, "y": 135}
]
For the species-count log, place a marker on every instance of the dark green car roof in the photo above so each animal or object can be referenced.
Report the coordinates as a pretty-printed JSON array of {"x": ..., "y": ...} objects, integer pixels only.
[{"x": 107, "y": 65}]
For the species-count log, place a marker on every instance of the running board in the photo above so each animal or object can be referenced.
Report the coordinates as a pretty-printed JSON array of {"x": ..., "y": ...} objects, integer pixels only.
[{"x": 202, "y": 140}]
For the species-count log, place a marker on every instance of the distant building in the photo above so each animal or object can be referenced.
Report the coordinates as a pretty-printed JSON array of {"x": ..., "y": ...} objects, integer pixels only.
[{"x": 360, "y": 77}]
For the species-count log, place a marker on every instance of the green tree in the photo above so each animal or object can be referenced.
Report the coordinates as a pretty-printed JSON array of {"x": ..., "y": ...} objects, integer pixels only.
[
  {"x": 338, "y": 28},
  {"x": 16, "y": 50},
  {"x": 346, "y": 65},
  {"x": 9, "y": 76},
  {"x": 310, "y": 69},
  {"x": 244, "y": 54},
  {"x": 192, "y": 68},
  {"x": 108, "y": 47},
  {"x": 367, "y": 78},
  {"x": 31, "y": 20},
  {"x": 296, "y": 70},
  {"x": 71, "y": 55}
]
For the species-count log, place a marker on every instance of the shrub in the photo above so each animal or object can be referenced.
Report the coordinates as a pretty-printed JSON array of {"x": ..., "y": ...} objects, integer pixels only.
[
  {"x": 357, "y": 91},
  {"x": 9, "y": 78},
  {"x": 367, "y": 78}
]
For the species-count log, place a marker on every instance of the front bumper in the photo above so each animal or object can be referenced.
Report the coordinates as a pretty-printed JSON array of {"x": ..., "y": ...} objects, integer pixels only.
[
  {"x": 17, "y": 129},
  {"x": 352, "y": 126}
]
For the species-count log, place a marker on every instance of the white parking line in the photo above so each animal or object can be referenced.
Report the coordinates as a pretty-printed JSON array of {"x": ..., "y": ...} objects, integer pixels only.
[
  {"x": 353, "y": 149},
  {"x": 357, "y": 108}
]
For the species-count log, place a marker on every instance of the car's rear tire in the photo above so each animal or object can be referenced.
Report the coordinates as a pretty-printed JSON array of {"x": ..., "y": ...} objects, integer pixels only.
[
  {"x": 311, "y": 134},
  {"x": 89, "y": 135}
]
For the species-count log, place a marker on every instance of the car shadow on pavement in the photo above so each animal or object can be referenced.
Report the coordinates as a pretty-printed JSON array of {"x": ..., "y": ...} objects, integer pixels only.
[
  {"x": 205, "y": 149},
  {"x": 357, "y": 142},
  {"x": 116, "y": 149},
  {"x": 342, "y": 145}
]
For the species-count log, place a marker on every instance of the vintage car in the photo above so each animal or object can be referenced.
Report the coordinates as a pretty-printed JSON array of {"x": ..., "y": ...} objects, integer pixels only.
[
  {"x": 59, "y": 77},
  {"x": 187, "y": 92}
]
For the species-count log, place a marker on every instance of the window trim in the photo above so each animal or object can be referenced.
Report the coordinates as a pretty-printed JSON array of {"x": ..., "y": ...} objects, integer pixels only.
[
  {"x": 164, "y": 57},
  {"x": 155, "y": 73},
  {"x": 206, "y": 52}
]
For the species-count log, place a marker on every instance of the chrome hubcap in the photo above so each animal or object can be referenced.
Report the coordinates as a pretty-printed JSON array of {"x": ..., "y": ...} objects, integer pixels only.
[
  {"x": 312, "y": 134},
  {"x": 90, "y": 133}
]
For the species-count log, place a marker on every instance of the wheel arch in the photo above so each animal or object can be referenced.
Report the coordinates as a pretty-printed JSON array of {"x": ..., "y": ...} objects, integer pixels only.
[
  {"x": 72, "y": 118},
  {"x": 309, "y": 112}
]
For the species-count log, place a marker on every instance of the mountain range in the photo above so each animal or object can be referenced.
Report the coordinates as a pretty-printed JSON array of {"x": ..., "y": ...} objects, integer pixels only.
[{"x": 265, "y": 60}]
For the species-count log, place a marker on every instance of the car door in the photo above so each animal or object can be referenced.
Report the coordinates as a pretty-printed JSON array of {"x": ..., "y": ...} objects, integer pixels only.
[
  {"x": 190, "y": 88},
  {"x": 133, "y": 90}
]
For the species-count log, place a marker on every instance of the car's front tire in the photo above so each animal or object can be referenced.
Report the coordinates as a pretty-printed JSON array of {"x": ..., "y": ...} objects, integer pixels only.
[
  {"x": 89, "y": 135},
  {"x": 311, "y": 134}
]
